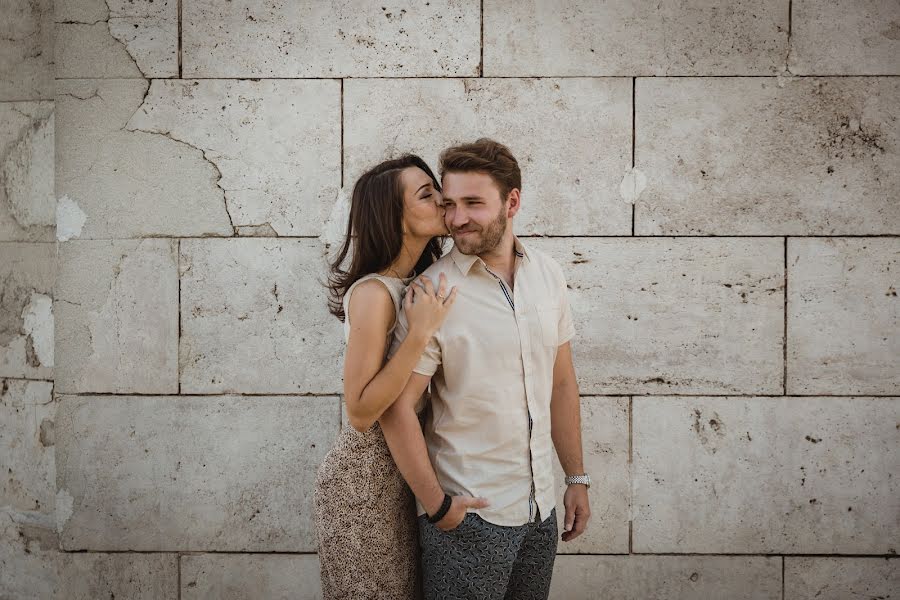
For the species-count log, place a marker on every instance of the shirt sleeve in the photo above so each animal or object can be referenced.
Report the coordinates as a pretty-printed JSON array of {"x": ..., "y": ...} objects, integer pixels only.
[
  {"x": 566, "y": 325},
  {"x": 431, "y": 357}
]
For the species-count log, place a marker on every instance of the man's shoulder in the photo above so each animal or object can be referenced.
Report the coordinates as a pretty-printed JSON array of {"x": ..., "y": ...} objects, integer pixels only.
[
  {"x": 543, "y": 260},
  {"x": 443, "y": 265}
]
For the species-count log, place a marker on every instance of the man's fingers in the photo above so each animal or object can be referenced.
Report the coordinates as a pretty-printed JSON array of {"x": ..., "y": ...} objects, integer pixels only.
[
  {"x": 476, "y": 502},
  {"x": 570, "y": 519},
  {"x": 408, "y": 299}
]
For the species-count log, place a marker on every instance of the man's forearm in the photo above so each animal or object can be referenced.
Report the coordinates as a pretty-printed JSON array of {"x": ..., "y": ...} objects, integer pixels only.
[
  {"x": 403, "y": 434},
  {"x": 565, "y": 428}
]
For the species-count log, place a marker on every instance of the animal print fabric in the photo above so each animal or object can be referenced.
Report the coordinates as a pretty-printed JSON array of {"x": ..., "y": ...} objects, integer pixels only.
[
  {"x": 482, "y": 561},
  {"x": 365, "y": 522}
]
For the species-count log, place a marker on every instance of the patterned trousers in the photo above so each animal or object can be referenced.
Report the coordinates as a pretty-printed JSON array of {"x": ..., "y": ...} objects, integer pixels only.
[{"x": 482, "y": 561}]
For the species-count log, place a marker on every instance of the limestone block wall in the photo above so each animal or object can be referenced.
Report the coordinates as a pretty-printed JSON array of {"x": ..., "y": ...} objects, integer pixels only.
[{"x": 719, "y": 180}]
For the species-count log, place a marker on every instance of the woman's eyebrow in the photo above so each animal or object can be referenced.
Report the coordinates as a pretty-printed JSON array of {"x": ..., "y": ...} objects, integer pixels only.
[{"x": 424, "y": 185}]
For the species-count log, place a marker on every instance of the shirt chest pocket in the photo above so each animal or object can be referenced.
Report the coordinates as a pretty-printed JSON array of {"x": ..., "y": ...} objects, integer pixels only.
[{"x": 546, "y": 326}]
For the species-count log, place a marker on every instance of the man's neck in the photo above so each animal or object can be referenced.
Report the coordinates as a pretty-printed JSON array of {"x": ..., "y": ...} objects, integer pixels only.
[{"x": 502, "y": 259}]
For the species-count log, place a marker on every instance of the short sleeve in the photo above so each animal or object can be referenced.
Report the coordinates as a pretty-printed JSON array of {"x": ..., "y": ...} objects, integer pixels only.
[
  {"x": 431, "y": 357},
  {"x": 566, "y": 325}
]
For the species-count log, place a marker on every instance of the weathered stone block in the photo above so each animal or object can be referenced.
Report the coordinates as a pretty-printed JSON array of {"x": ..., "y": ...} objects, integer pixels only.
[
  {"x": 27, "y": 411},
  {"x": 118, "y": 183},
  {"x": 116, "y": 38},
  {"x": 275, "y": 146},
  {"x": 27, "y": 277},
  {"x": 336, "y": 38},
  {"x": 675, "y": 315},
  {"x": 768, "y": 156},
  {"x": 117, "y": 316},
  {"x": 766, "y": 474},
  {"x": 840, "y": 577},
  {"x": 845, "y": 37},
  {"x": 604, "y": 441},
  {"x": 670, "y": 577},
  {"x": 239, "y": 576},
  {"x": 254, "y": 318},
  {"x": 843, "y": 316},
  {"x": 223, "y": 473},
  {"x": 26, "y": 50},
  {"x": 227, "y": 170},
  {"x": 570, "y": 184},
  {"x": 32, "y": 568},
  {"x": 587, "y": 37},
  {"x": 27, "y": 199}
]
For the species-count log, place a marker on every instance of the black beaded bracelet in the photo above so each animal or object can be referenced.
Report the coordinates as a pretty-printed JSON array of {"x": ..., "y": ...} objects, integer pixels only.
[{"x": 442, "y": 511}]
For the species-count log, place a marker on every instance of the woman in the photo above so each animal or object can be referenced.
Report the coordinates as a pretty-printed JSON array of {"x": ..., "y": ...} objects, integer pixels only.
[{"x": 365, "y": 512}]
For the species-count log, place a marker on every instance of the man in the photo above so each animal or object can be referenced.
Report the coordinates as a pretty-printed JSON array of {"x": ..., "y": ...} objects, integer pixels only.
[{"x": 503, "y": 387}]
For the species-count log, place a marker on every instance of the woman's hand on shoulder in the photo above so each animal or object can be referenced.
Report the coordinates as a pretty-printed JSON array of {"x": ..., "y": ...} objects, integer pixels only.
[{"x": 425, "y": 307}]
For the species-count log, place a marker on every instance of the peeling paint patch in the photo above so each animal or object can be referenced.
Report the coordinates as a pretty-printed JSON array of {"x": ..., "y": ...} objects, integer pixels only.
[
  {"x": 37, "y": 321},
  {"x": 27, "y": 168},
  {"x": 633, "y": 183},
  {"x": 69, "y": 219}
]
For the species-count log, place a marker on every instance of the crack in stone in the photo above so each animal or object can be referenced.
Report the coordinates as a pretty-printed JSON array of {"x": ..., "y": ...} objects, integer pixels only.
[
  {"x": 106, "y": 20},
  {"x": 168, "y": 135},
  {"x": 109, "y": 15},
  {"x": 96, "y": 94}
]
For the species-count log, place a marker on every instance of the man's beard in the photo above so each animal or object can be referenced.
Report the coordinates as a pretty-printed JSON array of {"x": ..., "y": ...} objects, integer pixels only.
[{"x": 489, "y": 235}]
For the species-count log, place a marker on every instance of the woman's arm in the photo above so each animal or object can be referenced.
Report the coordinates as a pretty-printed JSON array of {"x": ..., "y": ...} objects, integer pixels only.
[
  {"x": 403, "y": 434},
  {"x": 368, "y": 388}
]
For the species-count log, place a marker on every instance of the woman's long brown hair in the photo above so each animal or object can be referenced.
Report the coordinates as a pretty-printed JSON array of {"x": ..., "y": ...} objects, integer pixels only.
[{"x": 375, "y": 229}]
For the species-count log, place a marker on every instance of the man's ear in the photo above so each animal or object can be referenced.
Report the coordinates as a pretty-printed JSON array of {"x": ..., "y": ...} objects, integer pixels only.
[{"x": 513, "y": 202}]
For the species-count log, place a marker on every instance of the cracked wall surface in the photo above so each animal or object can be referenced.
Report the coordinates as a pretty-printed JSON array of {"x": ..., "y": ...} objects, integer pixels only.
[
  {"x": 116, "y": 38},
  {"x": 718, "y": 182}
]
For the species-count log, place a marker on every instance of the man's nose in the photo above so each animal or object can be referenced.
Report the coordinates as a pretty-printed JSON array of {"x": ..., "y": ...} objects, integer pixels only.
[{"x": 459, "y": 217}]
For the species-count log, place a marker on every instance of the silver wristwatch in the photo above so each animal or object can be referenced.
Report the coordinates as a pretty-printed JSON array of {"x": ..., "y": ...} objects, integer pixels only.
[{"x": 583, "y": 479}]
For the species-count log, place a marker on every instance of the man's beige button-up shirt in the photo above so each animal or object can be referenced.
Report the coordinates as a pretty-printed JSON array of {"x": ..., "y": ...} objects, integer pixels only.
[{"x": 492, "y": 377}]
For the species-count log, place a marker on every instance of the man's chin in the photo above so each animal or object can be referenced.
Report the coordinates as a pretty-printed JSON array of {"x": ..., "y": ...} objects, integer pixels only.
[{"x": 464, "y": 246}]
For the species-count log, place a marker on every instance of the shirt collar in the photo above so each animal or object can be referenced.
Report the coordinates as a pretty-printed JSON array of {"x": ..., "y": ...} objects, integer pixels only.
[{"x": 465, "y": 261}]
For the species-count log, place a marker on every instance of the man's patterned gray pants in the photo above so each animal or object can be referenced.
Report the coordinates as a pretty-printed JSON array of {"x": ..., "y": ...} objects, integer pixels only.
[{"x": 482, "y": 561}]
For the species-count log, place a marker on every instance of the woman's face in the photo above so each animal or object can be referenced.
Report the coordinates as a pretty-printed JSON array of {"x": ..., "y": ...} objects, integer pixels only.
[{"x": 423, "y": 212}]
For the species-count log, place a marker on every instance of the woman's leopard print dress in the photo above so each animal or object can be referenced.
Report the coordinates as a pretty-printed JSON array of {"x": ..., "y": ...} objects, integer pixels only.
[{"x": 365, "y": 513}]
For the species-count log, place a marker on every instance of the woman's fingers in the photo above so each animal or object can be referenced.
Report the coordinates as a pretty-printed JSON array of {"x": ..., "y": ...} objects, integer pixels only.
[
  {"x": 429, "y": 287},
  {"x": 442, "y": 287},
  {"x": 451, "y": 298}
]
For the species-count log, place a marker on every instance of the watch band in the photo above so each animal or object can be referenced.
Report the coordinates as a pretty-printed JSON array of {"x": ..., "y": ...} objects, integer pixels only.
[{"x": 582, "y": 479}]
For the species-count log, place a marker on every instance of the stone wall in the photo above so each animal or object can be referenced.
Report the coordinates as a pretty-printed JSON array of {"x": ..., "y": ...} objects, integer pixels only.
[{"x": 719, "y": 181}]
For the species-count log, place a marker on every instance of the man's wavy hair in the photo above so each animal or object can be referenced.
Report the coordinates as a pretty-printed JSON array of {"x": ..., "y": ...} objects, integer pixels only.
[{"x": 484, "y": 155}]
